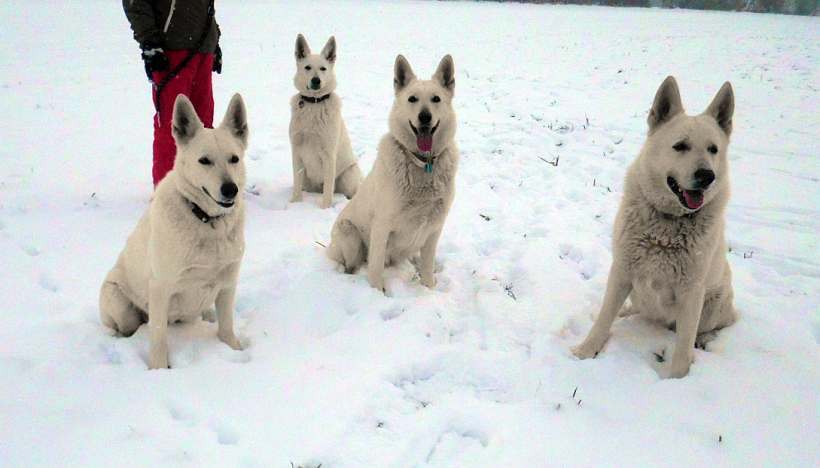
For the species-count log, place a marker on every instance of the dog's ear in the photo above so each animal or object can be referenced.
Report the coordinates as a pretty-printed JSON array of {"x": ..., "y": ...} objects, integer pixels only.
[
  {"x": 236, "y": 120},
  {"x": 329, "y": 51},
  {"x": 302, "y": 47},
  {"x": 722, "y": 107},
  {"x": 667, "y": 104},
  {"x": 185, "y": 122},
  {"x": 402, "y": 73},
  {"x": 446, "y": 73}
]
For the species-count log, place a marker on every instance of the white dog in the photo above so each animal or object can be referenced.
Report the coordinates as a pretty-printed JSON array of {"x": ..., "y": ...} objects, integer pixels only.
[
  {"x": 401, "y": 206},
  {"x": 323, "y": 159},
  {"x": 184, "y": 255},
  {"x": 669, "y": 252}
]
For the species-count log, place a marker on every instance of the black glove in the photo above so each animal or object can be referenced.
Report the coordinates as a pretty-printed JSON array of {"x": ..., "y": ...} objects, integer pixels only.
[
  {"x": 217, "y": 59},
  {"x": 154, "y": 58}
]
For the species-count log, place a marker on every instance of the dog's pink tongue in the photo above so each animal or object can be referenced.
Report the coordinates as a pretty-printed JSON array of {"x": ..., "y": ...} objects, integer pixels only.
[
  {"x": 693, "y": 198},
  {"x": 425, "y": 143}
]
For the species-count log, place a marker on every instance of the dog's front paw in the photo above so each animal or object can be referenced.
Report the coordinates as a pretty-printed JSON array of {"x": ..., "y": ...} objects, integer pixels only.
[
  {"x": 158, "y": 359},
  {"x": 325, "y": 203},
  {"x": 231, "y": 340},
  {"x": 704, "y": 339},
  {"x": 677, "y": 371},
  {"x": 429, "y": 280},
  {"x": 679, "y": 367},
  {"x": 588, "y": 349},
  {"x": 377, "y": 282},
  {"x": 296, "y": 197}
]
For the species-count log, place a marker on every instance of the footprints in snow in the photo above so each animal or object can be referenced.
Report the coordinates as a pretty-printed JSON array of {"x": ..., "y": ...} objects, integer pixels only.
[
  {"x": 47, "y": 282},
  {"x": 225, "y": 434},
  {"x": 455, "y": 443},
  {"x": 28, "y": 249},
  {"x": 426, "y": 389},
  {"x": 427, "y": 382},
  {"x": 587, "y": 267},
  {"x": 259, "y": 153},
  {"x": 110, "y": 354},
  {"x": 390, "y": 314},
  {"x": 185, "y": 415}
]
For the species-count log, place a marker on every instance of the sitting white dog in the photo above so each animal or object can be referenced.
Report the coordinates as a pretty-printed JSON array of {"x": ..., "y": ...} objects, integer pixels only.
[
  {"x": 184, "y": 255},
  {"x": 323, "y": 159}
]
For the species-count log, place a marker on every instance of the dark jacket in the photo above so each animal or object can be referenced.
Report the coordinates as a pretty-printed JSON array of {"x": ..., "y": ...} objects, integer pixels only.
[{"x": 171, "y": 24}]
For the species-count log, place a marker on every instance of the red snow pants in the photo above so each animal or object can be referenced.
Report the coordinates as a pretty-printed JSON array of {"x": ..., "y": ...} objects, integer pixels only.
[{"x": 193, "y": 81}]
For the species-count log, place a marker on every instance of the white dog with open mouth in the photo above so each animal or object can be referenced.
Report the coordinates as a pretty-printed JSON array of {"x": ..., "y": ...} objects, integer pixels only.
[
  {"x": 669, "y": 252},
  {"x": 400, "y": 208},
  {"x": 184, "y": 255}
]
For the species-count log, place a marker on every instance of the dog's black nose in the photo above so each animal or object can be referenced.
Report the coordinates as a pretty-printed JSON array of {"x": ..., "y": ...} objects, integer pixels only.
[
  {"x": 425, "y": 117},
  {"x": 229, "y": 190},
  {"x": 315, "y": 82},
  {"x": 704, "y": 178}
]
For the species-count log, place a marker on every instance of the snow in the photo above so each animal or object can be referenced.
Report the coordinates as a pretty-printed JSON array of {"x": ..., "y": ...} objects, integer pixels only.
[{"x": 474, "y": 373}]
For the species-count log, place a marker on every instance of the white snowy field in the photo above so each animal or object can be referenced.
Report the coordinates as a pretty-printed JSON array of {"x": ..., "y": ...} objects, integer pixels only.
[{"x": 476, "y": 373}]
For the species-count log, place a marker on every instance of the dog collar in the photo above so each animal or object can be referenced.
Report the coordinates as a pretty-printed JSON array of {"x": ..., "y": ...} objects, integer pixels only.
[
  {"x": 313, "y": 100},
  {"x": 428, "y": 159},
  {"x": 201, "y": 214}
]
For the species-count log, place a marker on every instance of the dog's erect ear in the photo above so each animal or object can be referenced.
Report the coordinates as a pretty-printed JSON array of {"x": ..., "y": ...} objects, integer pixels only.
[
  {"x": 302, "y": 47},
  {"x": 722, "y": 107},
  {"x": 329, "y": 51},
  {"x": 667, "y": 104},
  {"x": 402, "y": 73},
  {"x": 446, "y": 73},
  {"x": 185, "y": 122},
  {"x": 236, "y": 120}
]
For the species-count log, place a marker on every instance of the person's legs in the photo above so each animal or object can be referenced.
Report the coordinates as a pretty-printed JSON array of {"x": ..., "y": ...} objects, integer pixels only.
[
  {"x": 202, "y": 94},
  {"x": 164, "y": 147}
]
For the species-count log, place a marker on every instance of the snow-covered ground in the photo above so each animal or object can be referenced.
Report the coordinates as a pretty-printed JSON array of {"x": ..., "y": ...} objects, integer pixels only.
[{"x": 474, "y": 373}]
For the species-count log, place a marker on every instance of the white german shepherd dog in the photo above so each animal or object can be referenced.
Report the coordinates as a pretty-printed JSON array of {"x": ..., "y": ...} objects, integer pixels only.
[
  {"x": 323, "y": 159},
  {"x": 400, "y": 208},
  {"x": 669, "y": 252},
  {"x": 184, "y": 255}
]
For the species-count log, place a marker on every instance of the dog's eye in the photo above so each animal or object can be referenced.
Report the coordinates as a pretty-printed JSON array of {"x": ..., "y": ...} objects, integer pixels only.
[
  {"x": 205, "y": 161},
  {"x": 681, "y": 147},
  {"x": 308, "y": 67},
  {"x": 436, "y": 99},
  {"x": 712, "y": 149},
  {"x": 323, "y": 69},
  {"x": 412, "y": 99},
  {"x": 234, "y": 159}
]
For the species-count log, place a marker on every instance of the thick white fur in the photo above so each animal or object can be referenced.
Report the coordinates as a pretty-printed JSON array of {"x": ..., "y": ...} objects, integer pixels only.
[
  {"x": 323, "y": 159},
  {"x": 399, "y": 210},
  {"x": 670, "y": 260},
  {"x": 175, "y": 267}
]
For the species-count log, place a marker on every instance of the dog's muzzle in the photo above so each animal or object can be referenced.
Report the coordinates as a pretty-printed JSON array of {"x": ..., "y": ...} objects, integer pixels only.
[
  {"x": 424, "y": 136},
  {"x": 690, "y": 199},
  {"x": 227, "y": 202}
]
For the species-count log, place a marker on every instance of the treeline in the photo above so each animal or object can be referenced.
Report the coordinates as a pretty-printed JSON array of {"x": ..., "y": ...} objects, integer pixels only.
[{"x": 790, "y": 7}]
